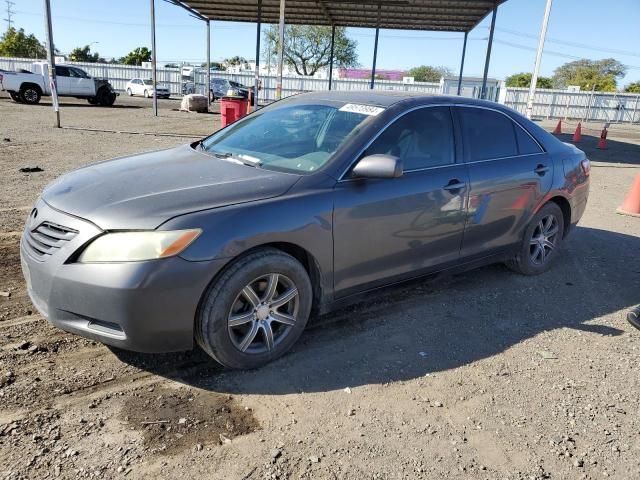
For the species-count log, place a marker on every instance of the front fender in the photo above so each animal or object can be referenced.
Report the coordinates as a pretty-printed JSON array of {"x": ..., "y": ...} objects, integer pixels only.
[{"x": 302, "y": 217}]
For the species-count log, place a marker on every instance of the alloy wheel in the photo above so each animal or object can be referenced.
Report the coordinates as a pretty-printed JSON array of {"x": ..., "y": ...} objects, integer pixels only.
[
  {"x": 30, "y": 95},
  {"x": 263, "y": 313},
  {"x": 543, "y": 240}
]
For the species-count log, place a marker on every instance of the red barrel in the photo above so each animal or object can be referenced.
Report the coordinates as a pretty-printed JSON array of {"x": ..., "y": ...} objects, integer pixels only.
[{"x": 232, "y": 109}]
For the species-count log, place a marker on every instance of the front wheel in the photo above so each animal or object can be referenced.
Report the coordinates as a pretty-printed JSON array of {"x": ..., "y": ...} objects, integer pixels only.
[
  {"x": 255, "y": 311},
  {"x": 92, "y": 100},
  {"x": 106, "y": 97},
  {"x": 541, "y": 242}
]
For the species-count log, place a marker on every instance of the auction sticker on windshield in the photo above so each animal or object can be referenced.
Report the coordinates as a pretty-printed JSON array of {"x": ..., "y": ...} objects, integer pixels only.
[{"x": 363, "y": 109}]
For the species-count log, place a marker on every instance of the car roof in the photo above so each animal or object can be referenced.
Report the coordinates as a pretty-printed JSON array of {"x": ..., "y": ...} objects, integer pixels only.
[{"x": 386, "y": 98}]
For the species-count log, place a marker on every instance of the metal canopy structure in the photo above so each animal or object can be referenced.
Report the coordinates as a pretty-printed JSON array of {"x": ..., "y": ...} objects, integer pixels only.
[
  {"x": 433, "y": 15},
  {"x": 437, "y": 15}
]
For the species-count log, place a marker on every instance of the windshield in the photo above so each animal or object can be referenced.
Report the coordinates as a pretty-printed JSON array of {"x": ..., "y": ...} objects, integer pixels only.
[{"x": 298, "y": 138}]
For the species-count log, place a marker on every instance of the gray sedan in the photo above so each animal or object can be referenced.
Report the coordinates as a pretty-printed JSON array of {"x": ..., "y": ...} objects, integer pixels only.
[{"x": 305, "y": 205}]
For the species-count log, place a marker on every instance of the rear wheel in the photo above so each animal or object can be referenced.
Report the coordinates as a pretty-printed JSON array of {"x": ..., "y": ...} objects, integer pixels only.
[
  {"x": 15, "y": 96},
  {"x": 30, "y": 94},
  {"x": 255, "y": 311},
  {"x": 129, "y": 92},
  {"x": 146, "y": 94},
  {"x": 92, "y": 100},
  {"x": 541, "y": 243}
]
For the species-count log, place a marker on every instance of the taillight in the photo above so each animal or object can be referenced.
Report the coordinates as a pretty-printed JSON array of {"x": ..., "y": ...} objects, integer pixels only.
[{"x": 586, "y": 166}]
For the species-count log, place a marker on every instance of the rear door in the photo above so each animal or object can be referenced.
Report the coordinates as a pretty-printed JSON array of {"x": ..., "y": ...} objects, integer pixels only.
[
  {"x": 390, "y": 229},
  {"x": 509, "y": 174},
  {"x": 62, "y": 80}
]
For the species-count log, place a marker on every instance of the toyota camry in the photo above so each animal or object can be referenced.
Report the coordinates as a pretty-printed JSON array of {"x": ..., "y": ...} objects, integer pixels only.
[{"x": 232, "y": 242}]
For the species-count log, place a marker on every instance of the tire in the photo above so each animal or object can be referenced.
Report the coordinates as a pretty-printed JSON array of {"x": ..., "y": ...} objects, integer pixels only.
[
  {"x": 146, "y": 94},
  {"x": 92, "y": 100},
  {"x": 541, "y": 242},
  {"x": 129, "y": 92},
  {"x": 233, "y": 346},
  {"x": 30, "y": 94},
  {"x": 105, "y": 97},
  {"x": 15, "y": 96}
]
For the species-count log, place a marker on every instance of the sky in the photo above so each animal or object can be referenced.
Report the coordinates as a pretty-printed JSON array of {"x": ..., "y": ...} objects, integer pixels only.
[{"x": 591, "y": 29}]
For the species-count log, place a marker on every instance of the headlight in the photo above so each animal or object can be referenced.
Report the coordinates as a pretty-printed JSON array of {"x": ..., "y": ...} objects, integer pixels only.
[{"x": 137, "y": 246}]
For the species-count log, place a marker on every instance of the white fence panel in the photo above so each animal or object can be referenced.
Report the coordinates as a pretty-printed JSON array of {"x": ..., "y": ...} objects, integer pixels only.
[{"x": 600, "y": 106}]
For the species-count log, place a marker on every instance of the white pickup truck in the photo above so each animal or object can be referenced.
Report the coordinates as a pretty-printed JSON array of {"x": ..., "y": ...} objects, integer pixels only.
[{"x": 29, "y": 87}]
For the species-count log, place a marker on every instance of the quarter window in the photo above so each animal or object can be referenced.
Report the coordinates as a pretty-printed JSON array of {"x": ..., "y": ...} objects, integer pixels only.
[
  {"x": 526, "y": 144},
  {"x": 487, "y": 134},
  {"x": 422, "y": 138}
]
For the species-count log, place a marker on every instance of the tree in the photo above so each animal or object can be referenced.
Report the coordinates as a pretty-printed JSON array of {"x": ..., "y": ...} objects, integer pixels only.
[
  {"x": 427, "y": 73},
  {"x": 600, "y": 75},
  {"x": 137, "y": 56},
  {"x": 83, "y": 54},
  {"x": 15, "y": 43},
  {"x": 523, "y": 79},
  {"x": 307, "y": 48},
  {"x": 234, "y": 62},
  {"x": 633, "y": 87},
  {"x": 214, "y": 65}
]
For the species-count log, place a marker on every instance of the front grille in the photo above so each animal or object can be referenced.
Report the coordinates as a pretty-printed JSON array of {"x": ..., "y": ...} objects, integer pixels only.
[{"x": 47, "y": 238}]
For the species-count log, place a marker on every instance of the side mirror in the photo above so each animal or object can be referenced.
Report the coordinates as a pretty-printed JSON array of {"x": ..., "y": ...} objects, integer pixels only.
[{"x": 378, "y": 166}]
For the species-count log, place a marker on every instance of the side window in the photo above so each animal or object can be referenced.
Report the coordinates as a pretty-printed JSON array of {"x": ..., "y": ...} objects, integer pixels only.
[
  {"x": 421, "y": 138},
  {"x": 526, "y": 144},
  {"x": 62, "y": 71},
  {"x": 487, "y": 134}
]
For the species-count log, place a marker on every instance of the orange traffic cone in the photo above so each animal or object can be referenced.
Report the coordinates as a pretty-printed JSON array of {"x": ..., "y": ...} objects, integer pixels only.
[
  {"x": 602, "y": 143},
  {"x": 631, "y": 204},
  {"x": 558, "y": 129},
  {"x": 577, "y": 136}
]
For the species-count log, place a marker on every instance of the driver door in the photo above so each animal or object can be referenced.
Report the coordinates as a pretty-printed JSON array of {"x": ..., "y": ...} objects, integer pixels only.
[{"x": 387, "y": 230}]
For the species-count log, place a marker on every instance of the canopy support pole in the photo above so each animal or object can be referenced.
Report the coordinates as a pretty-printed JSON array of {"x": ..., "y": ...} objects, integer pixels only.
[
  {"x": 464, "y": 51},
  {"x": 483, "y": 92},
  {"x": 333, "y": 37},
  {"x": 153, "y": 57},
  {"x": 51, "y": 58},
  {"x": 536, "y": 65},
  {"x": 280, "y": 51},
  {"x": 257, "y": 81},
  {"x": 209, "y": 62},
  {"x": 375, "y": 51}
]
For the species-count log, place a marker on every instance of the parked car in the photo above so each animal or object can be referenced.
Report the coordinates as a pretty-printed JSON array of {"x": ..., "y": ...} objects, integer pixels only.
[
  {"x": 307, "y": 204},
  {"x": 138, "y": 86},
  {"x": 71, "y": 81},
  {"x": 220, "y": 87}
]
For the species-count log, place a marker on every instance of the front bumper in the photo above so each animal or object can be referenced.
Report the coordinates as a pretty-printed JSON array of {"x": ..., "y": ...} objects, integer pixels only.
[{"x": 142, "y": 306}]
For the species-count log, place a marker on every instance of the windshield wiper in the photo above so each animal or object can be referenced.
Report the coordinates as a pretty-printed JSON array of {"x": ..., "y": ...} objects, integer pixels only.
[{"x": 238, "y": 158}]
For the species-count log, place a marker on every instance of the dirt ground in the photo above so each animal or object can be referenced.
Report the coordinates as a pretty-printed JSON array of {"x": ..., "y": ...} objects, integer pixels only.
[{"x": 485, "y": 375}]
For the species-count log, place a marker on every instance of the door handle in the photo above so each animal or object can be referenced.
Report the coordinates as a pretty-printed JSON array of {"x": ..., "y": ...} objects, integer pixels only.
[
  {"x": 454, "y": 184},
  {"x": 541, "y": 169}
]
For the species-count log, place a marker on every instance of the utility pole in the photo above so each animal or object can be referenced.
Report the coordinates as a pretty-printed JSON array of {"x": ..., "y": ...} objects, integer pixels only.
[
  {"x": 536, "y": 66},
  {"x": 10, "y": 13},
  {"x": 51, "y": 57}
]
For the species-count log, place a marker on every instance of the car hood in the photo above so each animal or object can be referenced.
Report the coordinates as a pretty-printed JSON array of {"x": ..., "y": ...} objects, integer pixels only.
[{"x": 144, "y": 191}]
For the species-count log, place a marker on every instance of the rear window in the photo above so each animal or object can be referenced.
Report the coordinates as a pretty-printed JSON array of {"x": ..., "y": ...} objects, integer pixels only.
[{"x": 487, "y": 134}]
